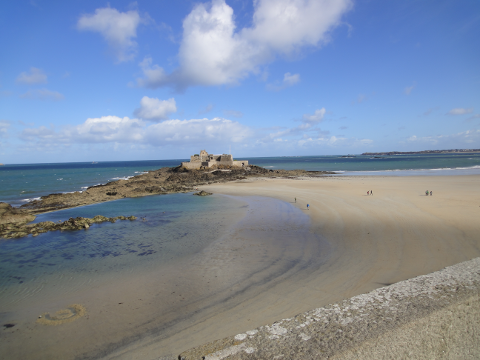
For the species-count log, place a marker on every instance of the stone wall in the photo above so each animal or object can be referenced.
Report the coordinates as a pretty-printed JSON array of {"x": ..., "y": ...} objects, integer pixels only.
[
  {"x": 191, "y": 165},
  {"x": 208, "y": 160},
  {"x": 240, "y": 163},
  {"x": 434, "y": 316}
]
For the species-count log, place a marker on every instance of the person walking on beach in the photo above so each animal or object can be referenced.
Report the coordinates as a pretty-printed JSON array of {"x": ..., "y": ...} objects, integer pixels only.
[
  {"x": 430, "y": 193},
  {"x": 295, "y": 200},
  {"x": 426, "y": 193},
  {"x": 308, "y": 205},
  {"x": 371, "y": 192}
]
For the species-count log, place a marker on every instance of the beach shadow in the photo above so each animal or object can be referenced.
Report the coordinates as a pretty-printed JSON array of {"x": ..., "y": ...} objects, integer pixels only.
[{"x": 384, "y": 284}]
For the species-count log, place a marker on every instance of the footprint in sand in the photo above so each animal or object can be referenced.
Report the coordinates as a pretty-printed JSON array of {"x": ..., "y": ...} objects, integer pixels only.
[{"x": 71, "y": 313}]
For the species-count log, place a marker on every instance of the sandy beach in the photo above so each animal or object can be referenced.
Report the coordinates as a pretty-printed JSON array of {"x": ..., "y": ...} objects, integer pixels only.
[
  {"x": 396, "y": 234},
  {"x": 279, "y": 260}
]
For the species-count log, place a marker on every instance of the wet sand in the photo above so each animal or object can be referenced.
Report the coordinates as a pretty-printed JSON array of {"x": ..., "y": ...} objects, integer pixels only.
[
  {"x": 165, "y": 304},
  {"x": 275, "y": 263}
]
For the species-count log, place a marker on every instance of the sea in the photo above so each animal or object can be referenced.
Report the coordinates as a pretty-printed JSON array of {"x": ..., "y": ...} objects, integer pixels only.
[
  {"x": 21, "y": 183},
  {"x": 170, "y": 229}
]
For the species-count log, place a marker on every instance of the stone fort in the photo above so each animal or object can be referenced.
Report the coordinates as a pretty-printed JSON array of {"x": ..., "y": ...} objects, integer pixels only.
[{"x": 205, "y": 160}]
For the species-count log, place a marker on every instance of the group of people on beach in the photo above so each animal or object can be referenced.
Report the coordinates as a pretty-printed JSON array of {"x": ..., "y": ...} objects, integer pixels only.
[
  {"x": 308, "y": 205},
  {"x": 370, "y": 192},
  {"x": 426, "y": 193}
]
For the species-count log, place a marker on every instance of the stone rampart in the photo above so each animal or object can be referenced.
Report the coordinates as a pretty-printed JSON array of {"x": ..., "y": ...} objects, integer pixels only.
[{"x": 435, "y": 316}]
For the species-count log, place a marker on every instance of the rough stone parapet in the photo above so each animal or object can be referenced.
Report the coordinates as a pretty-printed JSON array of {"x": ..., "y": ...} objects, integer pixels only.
[{"x": 340, "y": 328}]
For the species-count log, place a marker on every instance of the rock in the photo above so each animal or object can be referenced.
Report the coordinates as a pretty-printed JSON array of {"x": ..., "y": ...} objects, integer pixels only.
[
  {"x": 18, "y": 230},
  {"x": 202, "y": 193},
  {"x": 9, "y": 214}
]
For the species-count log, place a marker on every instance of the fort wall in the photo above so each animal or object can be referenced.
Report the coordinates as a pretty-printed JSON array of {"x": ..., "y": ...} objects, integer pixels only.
[{"x": 206, "y": 160}]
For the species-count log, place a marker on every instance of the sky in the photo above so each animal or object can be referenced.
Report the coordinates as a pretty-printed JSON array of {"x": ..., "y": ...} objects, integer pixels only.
[{"x": 147, "y": 80}]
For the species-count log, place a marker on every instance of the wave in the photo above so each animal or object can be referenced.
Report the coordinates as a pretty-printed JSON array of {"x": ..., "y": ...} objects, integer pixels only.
[
  {"x": 29, "y": 200},
  {"x": 122, "y": 178}
]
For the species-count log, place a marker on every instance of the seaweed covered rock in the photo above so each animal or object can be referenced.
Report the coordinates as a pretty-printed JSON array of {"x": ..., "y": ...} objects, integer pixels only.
[{"x": 18, "y": 230}]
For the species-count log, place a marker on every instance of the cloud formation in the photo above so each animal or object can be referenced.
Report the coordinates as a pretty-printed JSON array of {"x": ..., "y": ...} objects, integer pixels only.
[
  {"x": 315, "y": 118},
  {"x": 43, "y": 94},
  {"x": 288, "y": 80},
  {"x": 307, "y": 126},
  {"x": 460, "y": 111},
  {"x": 114, "y": 129},
  {"x": 467, "y": 138},
  {"x": 214, "y": 52},
  {"x": 117, "y": 28},
  {"x": 35, "y": 76},
  {"x": 155, "y": 109}
]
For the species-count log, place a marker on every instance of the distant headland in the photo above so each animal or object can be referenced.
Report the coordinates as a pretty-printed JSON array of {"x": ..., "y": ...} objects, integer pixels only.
[{"x": 424, "y": 152}]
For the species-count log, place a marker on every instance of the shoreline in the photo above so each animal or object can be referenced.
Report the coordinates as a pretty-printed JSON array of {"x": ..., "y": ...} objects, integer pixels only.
[
  {"x": 372, "y": 242},
  {"x": 394, "y": 235}
]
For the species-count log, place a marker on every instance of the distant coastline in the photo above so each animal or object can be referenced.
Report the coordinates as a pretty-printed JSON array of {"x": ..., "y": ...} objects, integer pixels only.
[{"x": 463, "y": 151}]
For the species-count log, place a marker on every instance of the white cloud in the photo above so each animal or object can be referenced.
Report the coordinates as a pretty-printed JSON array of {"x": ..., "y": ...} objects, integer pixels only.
[
  {"x": 198, "y": 131},
  {"x": 35, "y": 76},
  {"x": 288, "y": 80},
  {"x": 113, "y": 129},
  {"x": 469, "y": 138},
  {"x": 118, "y": 29},
  {"x": 155, "y": 109},
  {"x": 460, "y": 111},
  {"x": 214, "y": 52},
  {"x": 315, "y": 118},
  {"x": 43, "y": 94}
]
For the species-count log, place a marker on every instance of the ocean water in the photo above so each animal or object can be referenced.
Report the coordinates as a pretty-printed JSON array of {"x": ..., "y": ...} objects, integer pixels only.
[
  {"x": 22, "y": 183},
  {"x": 417, "y": 164}
]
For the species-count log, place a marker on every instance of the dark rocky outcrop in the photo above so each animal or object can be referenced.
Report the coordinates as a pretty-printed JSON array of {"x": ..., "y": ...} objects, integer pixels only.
[{"x": 19, "y": 229}]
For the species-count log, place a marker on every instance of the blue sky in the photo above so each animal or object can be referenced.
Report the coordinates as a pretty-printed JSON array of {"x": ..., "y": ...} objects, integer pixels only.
[{"x": 119, "y": 80}]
